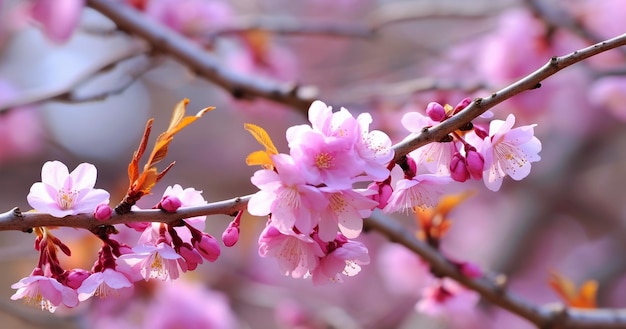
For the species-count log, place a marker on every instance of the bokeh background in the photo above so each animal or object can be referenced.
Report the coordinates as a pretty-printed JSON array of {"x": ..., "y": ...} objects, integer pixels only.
[{"x": 568, "y": 216}]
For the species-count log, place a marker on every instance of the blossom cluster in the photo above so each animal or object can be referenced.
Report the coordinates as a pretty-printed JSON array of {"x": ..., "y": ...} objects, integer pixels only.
[
  {"x": 161, "y": 252},
  {"x": 313, "y": 208},
  {"x": 337, "y": 173},
  {"x": 309, "y": 194}
]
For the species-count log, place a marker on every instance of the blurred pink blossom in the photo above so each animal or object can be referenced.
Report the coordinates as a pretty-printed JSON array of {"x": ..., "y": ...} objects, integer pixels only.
[
  {"x": 190, "y": 17},
  {"x": 447, "y": 298},
  {"x": 59, "y": 18}
]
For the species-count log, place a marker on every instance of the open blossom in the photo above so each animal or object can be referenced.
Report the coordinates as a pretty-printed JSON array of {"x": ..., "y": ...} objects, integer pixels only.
[
  {"x": 61, "y": 193},
  {"x": 103, "y": 284},
  {"x": 345, "y": 260},
  {"x": 45, "y": 292},
  {"x": 420, "y": 191},
  {"x": 297, "y": 254},
  {"x": 149, "y": 261},
  {"x": 374, "y": 149},
  {"x": 287, "y": 196},
  {"x": 508, "y": 152},
  {"x": 436, "y": 157},
  {"x": 323, "y": 160},
  {"x": 346, "y": 210}
]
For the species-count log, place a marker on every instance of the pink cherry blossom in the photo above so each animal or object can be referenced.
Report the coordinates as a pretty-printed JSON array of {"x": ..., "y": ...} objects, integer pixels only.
[
  {"x": 374, "y": 150},
  {"x": 323, "y": 160},
  {"x": 297, "y": 254},
  {"x": 344, "y": 260},
  {"x": 346, "y": 210},
  {"x": 287, "y": 196},
  {"x": 188, "y": 197},
  {"x": 447, "y": 298},
  {"x": 45, "y": 292},
  {"x": 436, "y": 157},
  {"x": 61, "y": 193},
  {"x": 508, "y": 152},
  {"x": 103, "y": 284},
  {"x": 420, "y": 191},
  {"x": 149, "y": 261}
]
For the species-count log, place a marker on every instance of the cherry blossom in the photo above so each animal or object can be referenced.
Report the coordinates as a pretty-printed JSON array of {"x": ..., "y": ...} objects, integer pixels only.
[
  {"x": 421, "y": 191},
  {"x": 346, "y": 210},
  {"x": 61, "y": 193},
  {"x": 103, "y": 284},
  {"x": 508, "y": 151},
  {"x": 345, "y": 259},
  {"x": 151, "y": 261},
  {"x": 436, "y": 157},
  {"x": 287, "y": 196},
  {"x": 297, "y": 254},
  {"x": 44, "y": 291}
]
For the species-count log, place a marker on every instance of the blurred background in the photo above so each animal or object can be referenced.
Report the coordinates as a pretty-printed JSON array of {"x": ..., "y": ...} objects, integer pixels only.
[{"x": 85, "y": 96}]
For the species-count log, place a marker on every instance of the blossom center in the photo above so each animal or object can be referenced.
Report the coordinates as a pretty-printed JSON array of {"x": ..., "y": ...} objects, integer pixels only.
[
  {"x": 324, "y": 160},
  {"x": 66, "y": 199}
]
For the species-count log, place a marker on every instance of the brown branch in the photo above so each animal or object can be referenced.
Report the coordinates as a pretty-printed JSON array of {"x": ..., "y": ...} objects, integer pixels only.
[
  {"x": 481, "y": 105},
  {"x": 24, "y": 221},
  {"x": 204, "y": 64},
  {"x": 543, "y": 317}
]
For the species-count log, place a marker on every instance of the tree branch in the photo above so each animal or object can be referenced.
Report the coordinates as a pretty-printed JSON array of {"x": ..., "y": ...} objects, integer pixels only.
[
  {"x": 481, "y": 105},
  {"x": 162, "y": 38},
  {"x": 24, "y": 221}
]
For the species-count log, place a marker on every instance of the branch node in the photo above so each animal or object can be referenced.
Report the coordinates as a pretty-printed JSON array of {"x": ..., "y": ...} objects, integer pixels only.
[
  {"x": 17, "y": 212},
  {"x": 537, "y": 86}
]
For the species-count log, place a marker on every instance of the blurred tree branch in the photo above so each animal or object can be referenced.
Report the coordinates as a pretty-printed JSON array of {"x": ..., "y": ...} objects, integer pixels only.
[{"x": 202, "y": 63}]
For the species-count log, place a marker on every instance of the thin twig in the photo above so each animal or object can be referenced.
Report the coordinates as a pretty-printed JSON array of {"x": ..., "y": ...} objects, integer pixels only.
[
  {"x": 204, "y": 64},
  {"x": 481, "y": 105}
]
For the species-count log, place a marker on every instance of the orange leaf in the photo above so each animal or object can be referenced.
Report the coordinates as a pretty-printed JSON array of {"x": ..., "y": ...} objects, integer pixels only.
[
  {"x": 565, "y": 288},
  {"x": 262, "y": 137},
  {"x": 260, "y": 157},
  {"x": 142, "y": 183}
]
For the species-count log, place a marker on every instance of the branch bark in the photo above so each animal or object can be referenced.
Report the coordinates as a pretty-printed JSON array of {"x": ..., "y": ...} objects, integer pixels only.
[{"x": 201, "y": 62}]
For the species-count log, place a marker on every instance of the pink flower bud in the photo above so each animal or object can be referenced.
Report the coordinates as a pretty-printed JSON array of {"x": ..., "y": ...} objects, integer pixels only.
[
  {"x": 191, "y": 258},
  {"x": 170, "y": 203},
  {"x": 470, "y": 270},
  {"x": 230, "y": 235},
  {"x": 103, "y": 212},
  {"x": 462, "y": 104},
  {"x": 435, "y": 111},
  {"x": 475, "y": 164},
  {"x": 458, "y": 168},
  {"x": 208, "y": 247},
  {"x": 384, "y": 195},
  {"x": 76, "y": 277},
  {"x": 412, "y": 167}
]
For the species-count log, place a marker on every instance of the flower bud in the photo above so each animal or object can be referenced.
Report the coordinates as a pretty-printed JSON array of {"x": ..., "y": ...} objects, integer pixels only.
[
  {"x": 458, "y": 168},
  {"x": 230, "y": 235},
  {"x": 208, "y": 247},
  {"x": 412, "y": 167},
  {"x": 190, "y": 256},
  {"x": 462, "y": 104},
  {"x": 170, "y": 203},
  {"x": 475, "y": 164},
  {"x": 435, "y": 111},
  {"x": 76, "y": 277},
  {"x": 103, "y": 212},
  {"x": 470, "y": 270}
]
